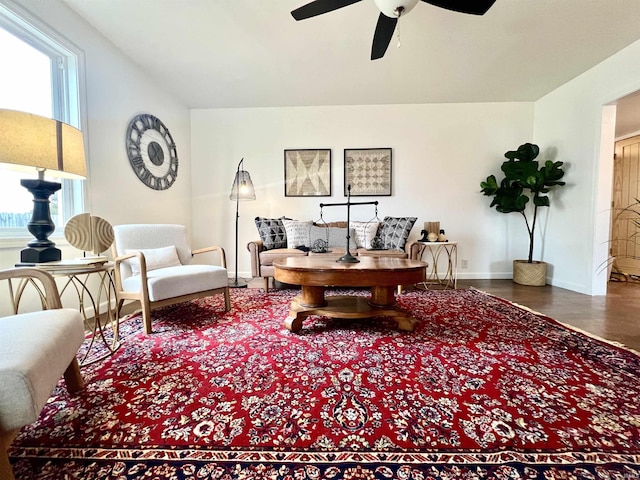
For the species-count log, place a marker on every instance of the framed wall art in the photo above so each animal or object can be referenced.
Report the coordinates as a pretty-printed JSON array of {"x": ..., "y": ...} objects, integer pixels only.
[
  {"x": 368, "y": 171},
  {"x": 307, "y": 173}
]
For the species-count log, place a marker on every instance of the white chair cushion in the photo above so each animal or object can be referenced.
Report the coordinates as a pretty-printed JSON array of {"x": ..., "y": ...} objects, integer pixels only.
[
  {"x": 177, "y": 281},
  {"x": 36, "y": 349}
]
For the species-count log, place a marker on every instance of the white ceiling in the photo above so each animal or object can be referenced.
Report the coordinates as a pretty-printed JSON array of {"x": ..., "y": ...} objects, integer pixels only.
[{"x": 252, "y": 53}]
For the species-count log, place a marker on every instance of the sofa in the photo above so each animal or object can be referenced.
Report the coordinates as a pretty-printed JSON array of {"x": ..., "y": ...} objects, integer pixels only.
[{"x": 283, "y": 237}]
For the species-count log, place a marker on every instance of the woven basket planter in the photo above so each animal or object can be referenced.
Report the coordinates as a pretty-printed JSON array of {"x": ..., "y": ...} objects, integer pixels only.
[{"x": 532, "y": 274}]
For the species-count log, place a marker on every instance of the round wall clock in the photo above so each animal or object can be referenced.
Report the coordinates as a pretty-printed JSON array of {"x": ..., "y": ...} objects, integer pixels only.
[{"x": 152, "y": 152}]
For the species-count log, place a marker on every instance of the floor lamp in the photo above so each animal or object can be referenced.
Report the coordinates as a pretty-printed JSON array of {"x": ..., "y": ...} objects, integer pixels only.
[
  {"x": 242, "y": 189},
  {"x": 31, "y": 142}
]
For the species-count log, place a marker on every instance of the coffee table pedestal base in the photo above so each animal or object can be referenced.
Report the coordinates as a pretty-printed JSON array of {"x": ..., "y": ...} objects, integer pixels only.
[
  {"x": 381, "y": 304},
  {"x": 381, "y": 274}
]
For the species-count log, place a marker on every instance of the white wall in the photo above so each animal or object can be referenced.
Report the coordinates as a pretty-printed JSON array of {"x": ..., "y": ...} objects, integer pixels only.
[
  {"x": 573, "y": 119},
  {"x": 441, "y": 152},
  {"x": 115, "y": 90}
]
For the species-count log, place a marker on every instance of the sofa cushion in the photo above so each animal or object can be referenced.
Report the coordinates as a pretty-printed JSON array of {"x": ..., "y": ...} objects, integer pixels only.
[
  {"x": 267, "y": 257},
  {"x": 272, "y": 232},
  {"x": 394, "y": 231},
  {"x": 297, "y": 232},
  {"x": 363, "y": 233},
  {"x": 335, "y": 237}
]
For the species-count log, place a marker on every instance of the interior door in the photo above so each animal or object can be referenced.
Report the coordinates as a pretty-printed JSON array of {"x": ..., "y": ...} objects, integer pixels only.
[{"x": 625, "y": 232}]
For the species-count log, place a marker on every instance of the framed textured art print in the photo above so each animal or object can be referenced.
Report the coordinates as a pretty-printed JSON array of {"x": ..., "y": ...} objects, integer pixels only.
[
  {"x": 307, "y": 173},
  {"x": 368, "y": 171}
]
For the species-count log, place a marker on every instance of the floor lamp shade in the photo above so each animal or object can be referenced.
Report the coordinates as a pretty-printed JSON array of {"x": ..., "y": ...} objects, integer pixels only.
[
  {"x": 30, "y": 142},
  {"x": 241, "y": 190}
]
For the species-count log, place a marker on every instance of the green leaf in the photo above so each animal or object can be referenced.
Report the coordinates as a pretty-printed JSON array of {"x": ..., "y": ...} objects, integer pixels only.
[
  {"x": 521, "y": 202},
  {"x": 509, "y": 198},
  {"x": 490, "y": 187},
  {"x": 519, "y": 170},
  {"x": 552, "y": 173},
  {"x": 525, "y": 152},
  {"x": 541, "y": 201},
  {"x": 531, "y": 181}
]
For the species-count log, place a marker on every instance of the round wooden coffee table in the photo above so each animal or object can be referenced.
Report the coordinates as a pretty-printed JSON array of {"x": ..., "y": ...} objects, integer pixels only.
[{"x": 315, "y": 273}]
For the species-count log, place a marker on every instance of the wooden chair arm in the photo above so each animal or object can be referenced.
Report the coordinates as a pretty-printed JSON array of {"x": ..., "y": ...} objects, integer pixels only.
[
  {"x": 51, "y": 294},
  {"x": 126, "y": 256},
  {"x": 223, "y": 257},
  {"x": 141, "y": 261}
]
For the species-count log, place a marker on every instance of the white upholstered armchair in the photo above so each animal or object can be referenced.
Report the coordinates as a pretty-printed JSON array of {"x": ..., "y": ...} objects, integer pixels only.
[{"x": 152, "y": 267}]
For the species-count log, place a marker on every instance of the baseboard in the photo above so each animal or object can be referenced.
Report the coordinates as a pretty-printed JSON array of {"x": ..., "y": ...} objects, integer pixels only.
[{"x": 484, "y": 275}]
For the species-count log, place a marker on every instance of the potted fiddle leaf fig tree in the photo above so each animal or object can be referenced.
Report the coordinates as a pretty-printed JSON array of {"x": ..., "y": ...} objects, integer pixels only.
[{"x": 525, "y": 180}]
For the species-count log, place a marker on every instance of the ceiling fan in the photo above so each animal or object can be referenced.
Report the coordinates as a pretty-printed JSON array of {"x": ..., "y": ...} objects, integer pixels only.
[{"x": 390, "y": 12}]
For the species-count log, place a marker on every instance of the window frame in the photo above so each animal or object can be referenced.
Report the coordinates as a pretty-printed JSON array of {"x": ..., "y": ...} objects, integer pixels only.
[{"x": 67, "y": 85}]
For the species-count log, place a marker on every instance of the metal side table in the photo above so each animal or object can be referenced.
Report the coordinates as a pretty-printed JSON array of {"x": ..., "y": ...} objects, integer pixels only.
[
  {"x": 437, "y": 277},
  {"x": 96, "y": 295}
]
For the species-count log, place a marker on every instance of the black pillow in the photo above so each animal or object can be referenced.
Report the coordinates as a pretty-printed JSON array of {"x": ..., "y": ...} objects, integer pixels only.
[
  {"x": 394, "y": 231},
  {"x": 272, "y": 232}
]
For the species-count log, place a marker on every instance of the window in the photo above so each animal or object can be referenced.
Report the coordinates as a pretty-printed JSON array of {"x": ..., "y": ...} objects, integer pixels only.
[{"x": 40, "y": 76}]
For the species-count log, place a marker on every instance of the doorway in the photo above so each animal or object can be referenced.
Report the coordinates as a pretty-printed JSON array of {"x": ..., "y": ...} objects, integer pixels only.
[
  {"x": 625, "y": 228},
  {"x": 625, "y": 218}
]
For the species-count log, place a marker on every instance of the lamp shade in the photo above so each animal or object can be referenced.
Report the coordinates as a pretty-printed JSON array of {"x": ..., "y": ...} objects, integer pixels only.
[
  {"x": 242, "y": 188},
  {"x": 29, "y": 141}
]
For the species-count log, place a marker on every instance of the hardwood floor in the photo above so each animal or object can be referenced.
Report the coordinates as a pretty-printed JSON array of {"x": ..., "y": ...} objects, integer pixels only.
[{"x": 615, "y": 317}]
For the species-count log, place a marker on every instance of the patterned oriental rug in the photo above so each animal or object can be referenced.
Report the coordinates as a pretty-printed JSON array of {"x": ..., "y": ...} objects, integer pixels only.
[{"x": 481, "y": 389}]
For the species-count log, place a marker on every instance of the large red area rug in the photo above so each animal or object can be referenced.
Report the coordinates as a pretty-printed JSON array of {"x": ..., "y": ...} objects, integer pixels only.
[{"x": 481, "y": 389}]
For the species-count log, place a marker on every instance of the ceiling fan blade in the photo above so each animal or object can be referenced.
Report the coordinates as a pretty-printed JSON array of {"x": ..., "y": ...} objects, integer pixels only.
[
  {"x": 382, "y": 37},
  {"x": 318, "y": 7},
  {"x": 474, "y": 7}
]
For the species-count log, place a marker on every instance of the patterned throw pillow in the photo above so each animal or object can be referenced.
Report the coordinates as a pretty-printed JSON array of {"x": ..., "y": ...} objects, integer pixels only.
[
  {"x": 297, "y": 233},
  {"x": 334, "y": 236},
  {"x": 394, "y": 231},
  {"x": 272, "y": 232},
  {"x": 363, "y": 233}
]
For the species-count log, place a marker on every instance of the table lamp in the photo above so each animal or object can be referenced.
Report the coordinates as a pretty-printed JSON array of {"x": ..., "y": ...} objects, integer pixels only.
[
  {"x": 242, "y": 189},
  {"x": 31, "y": 142}
]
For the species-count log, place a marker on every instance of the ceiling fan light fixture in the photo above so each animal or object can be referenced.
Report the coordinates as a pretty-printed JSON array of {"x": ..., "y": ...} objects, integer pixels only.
[{"x": 395, "y": 8}]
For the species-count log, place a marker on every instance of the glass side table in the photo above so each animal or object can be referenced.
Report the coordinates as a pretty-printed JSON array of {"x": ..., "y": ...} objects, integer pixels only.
[
  {"x": 96, "y": 296},
  {"x": 436, "y": 275}
]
